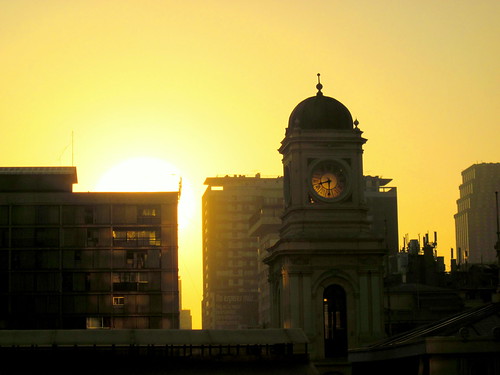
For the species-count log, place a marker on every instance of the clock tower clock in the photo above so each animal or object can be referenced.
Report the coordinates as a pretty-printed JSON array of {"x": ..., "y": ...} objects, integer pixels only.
[
  {"x": 326, "y": 269},
  {"x": 329, "y": 179}
]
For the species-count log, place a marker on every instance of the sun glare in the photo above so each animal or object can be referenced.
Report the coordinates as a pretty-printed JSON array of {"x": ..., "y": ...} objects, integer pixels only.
[{"x": 145, "y": 174}]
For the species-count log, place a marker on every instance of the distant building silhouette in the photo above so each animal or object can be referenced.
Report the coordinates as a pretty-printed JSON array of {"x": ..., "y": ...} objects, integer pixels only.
[
  {"x": 382, "y": 202},
  {"x": 230, "y": 258},
  {"x": 477, "y": 283},
  {"x": 418, "y": 263},
  {"x": 85, "y": 260},
  {"x": 185, "y": 318},
  {"x": 475, "y": 220},
  {"x": 417, "y": 291}
]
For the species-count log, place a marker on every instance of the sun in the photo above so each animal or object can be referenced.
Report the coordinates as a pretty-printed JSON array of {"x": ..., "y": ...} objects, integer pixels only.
[
  {"x": 146, "y": 174},
  {"x": 142, "y": 174}
]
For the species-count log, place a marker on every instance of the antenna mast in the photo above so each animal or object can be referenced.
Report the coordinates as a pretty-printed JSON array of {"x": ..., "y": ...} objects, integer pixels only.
[{"x": 180, "y": 188}]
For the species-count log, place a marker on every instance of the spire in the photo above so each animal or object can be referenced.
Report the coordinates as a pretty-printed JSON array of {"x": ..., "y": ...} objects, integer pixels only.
[{"x": 319, "y": 86}]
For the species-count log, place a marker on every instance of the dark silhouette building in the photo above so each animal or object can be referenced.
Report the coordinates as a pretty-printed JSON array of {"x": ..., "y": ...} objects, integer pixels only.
[
  {"x": 154, "y": 352},
  {"x": 466, "y": 343},
  {"x": 382, "y": 202},
  {"x": 417, "y": 263},
  {"x": 326, "y": 270},
  {"x": 85, "y": 260}
]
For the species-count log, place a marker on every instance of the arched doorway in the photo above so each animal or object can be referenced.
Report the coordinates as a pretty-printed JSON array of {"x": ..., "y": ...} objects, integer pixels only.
[{"x": 335, "y": 321}]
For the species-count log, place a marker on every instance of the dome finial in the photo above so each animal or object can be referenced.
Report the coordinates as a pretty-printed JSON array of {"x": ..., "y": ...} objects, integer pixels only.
[{"x": 319, "y": 86}]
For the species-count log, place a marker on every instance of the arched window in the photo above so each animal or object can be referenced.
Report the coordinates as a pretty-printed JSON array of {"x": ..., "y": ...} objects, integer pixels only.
[{"x": 335, "y": 321}]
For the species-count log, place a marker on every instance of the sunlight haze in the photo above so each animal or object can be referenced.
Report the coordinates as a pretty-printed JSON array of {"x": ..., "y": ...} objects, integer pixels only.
[
  {"x": 205, "y": 88},
  {"x": 148, "y": 174}
]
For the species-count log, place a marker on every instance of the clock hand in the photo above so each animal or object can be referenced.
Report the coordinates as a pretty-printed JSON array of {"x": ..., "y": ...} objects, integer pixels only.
[
  {"x": 320, "y": 183},
  {"x": 329, "y": 188}
]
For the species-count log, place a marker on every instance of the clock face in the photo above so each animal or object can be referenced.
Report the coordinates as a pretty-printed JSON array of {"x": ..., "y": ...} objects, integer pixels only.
[{"x": 329, "y": 179}]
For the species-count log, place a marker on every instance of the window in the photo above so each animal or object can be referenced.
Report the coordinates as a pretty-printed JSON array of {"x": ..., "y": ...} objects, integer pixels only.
[
  {"x": 4, "y": 215},
  {"x": 100, "y": 322},
  {"x": 129, "y": 281},
  {"x": 4, "y": 237},
  {"x": 46, "y": 237},
  {"x": 136, "y": 259},
  {"x": 86, "y": 214},
  {"x": 92, "y": 237},
  {"x": 118, "y": 301},
  {"x": 125, "y": 214},
  {"x": 89, "y": 215},
  {"x": 35, "y": 237},
  {"x": 47, "y": 214},
  {"x": 147, "y": 237},
  {"x": 149, "y": 214},
  {"x": 35, "y": 214}
]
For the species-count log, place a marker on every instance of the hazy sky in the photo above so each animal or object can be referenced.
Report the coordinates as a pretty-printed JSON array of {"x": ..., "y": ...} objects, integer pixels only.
[{"x": 205, "y": 88}]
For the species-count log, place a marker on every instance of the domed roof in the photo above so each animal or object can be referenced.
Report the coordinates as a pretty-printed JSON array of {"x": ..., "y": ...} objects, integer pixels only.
[{"x": 320, "y": 112}]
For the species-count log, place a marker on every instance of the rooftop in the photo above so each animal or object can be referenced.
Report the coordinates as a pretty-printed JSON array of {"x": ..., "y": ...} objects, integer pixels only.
[
  {"x": 37, "y": 170},
  {"x": 31, "y": 179},
  {"x": 37, "y": 179}
]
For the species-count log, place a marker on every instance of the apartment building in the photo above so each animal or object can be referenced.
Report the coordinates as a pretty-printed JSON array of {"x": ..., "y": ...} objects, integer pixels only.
[
  {"x": 71, "y": 260},
  {"x": 475, "y": 220},
  {"x": 230, "y": 253}
]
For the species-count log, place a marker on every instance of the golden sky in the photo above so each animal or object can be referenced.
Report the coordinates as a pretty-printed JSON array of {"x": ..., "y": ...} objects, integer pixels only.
[{"x": 206, "y": 88}]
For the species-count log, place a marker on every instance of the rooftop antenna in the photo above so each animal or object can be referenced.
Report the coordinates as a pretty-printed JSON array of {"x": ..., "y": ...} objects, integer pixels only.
[
  {"x": 72, "y": 151},
  {"x": 180, "y": 188}
]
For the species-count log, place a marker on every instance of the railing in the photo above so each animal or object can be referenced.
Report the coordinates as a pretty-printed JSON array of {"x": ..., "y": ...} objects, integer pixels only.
[{"x": 136, "y": 242}]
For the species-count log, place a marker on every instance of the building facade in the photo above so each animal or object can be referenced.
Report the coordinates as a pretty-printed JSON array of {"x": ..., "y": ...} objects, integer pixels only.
[
  {"x": 382, "y": 202},
  {"x": 85, "y": 260},
  {"x": 264, "y": 224},
  {"x": 475, "y": 220},
  {"x": 230, "y": 256},
  {"x": 326, "y": 270}
]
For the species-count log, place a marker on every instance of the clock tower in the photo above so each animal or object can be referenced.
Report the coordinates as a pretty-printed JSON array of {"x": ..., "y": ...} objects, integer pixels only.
[{"x": 326, "y": 271}]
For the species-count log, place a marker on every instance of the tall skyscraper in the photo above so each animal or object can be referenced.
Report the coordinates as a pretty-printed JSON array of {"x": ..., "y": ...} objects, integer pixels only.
[
  {"x": 85, "y": 260},
  {"x": 230, "y": 256},
  {"x": 475, "y": 220}
]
